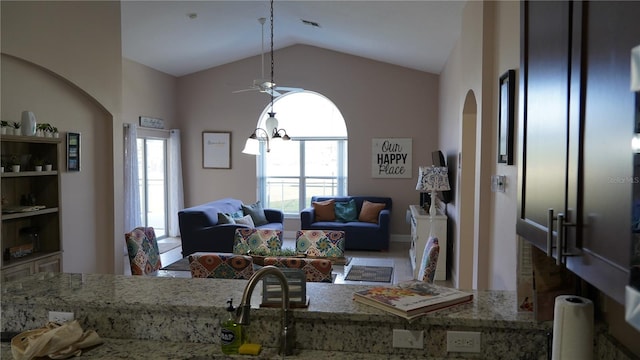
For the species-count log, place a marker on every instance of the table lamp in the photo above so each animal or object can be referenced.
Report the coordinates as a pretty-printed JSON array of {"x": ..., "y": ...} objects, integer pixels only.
[{"x": 433, "y": 179}]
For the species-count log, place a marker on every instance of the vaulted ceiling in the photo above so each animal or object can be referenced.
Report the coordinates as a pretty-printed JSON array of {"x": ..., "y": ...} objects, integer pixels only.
[{"x": 182, "y": 37}]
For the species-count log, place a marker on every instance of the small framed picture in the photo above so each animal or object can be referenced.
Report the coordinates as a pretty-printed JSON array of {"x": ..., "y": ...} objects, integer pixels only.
[
  {"x": 506, "y": 117},
  {"x": 73, "y": 151},
  {"x": 216, "y": 150}
]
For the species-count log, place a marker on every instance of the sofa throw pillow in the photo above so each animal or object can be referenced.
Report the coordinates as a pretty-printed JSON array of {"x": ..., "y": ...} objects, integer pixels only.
[
  {"x": 370, "y": 211},
  {"x": 246, "y": 220},
  {"x": 346, "y": 211},
  {"x": 256, "y": 212},
  {"x": 324, "y": 210},
  {"x": 224, "y": 218}
]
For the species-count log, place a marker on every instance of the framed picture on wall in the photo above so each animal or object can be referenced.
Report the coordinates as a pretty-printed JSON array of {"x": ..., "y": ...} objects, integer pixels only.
[
  {"x": 73, "y": 151},
  {"x": 216, "y": 150},
  {"x": 507, "y": 86}
]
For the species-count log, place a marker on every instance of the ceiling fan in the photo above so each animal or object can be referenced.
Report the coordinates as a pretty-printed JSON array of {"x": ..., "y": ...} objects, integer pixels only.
[{"x": 263, "y": 84}]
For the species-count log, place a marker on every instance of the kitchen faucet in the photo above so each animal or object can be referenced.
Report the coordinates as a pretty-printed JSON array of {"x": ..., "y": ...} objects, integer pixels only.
[{"x": 287, "y": 335}]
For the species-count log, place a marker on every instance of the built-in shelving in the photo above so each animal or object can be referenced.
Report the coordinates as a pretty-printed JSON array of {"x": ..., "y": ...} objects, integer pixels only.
[{"x": 30, "y": 188}]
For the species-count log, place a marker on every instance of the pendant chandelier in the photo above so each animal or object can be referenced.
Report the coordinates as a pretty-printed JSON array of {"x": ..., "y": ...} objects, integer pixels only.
[{"x": 252, "y": 146}]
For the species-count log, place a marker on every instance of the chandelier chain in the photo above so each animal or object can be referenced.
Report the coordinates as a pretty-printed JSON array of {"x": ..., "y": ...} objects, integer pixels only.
[{"x": 272, "y": 83}]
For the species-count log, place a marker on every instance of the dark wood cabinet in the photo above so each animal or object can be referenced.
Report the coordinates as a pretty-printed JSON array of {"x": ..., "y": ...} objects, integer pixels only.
[{"x": 576, "y": 125}]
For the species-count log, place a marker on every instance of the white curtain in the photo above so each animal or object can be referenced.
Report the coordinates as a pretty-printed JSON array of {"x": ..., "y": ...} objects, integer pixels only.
[
  {"x": 132, "y": 212},
  {"x": 176, "y": 194}
]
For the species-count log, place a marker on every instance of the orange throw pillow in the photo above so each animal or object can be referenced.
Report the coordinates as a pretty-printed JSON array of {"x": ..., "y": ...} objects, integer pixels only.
[
  {"x": 325, "y": 210},
  {"x": 370, "y": 211}
]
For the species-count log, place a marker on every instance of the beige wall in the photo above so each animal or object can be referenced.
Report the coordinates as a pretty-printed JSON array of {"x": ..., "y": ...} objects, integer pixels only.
[
  {"x": 148, "y": 92},
  {"x": 376, "y": 100},
  {"x": 67, "y": 69},
  {"x": 503, "y": 249},
  {"x": 461, "y": 90}
]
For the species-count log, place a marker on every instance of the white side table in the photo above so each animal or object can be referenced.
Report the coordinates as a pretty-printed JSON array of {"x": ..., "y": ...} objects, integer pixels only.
[{"x": 421, "y": 224}]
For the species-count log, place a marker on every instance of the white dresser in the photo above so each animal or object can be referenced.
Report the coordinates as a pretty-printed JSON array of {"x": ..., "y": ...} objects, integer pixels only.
[{"x": 421, "y": 224}]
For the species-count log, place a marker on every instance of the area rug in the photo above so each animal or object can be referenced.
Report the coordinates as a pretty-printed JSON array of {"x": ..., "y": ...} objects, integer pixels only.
[{"x": 370, "y": 273}]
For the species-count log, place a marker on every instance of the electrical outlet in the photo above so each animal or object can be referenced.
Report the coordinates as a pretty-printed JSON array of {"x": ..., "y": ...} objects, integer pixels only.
[
  {"x": 408, "y": 339},
  {"x": 60, "y": 317},
  {"x": 463, "y": 341}
]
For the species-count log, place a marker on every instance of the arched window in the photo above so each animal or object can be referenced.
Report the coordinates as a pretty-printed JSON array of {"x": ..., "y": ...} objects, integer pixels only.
[{"x": 314, "y": 162}]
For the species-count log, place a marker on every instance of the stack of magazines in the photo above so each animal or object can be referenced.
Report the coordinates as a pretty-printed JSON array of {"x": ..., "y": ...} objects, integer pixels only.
[{"x": 412, "y": 299}]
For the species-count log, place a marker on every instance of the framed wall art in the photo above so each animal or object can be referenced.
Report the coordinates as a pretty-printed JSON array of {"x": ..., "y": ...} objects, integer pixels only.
[
  {"x": 507, "y": 86},
  {"x": 73, "y": 151},
  {"x": 391, "y": 158},
  {"x": 216, "y": 150}
]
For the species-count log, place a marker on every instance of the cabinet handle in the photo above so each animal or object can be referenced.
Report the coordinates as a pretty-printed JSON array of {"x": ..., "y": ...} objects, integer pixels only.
[
  {"x": 561, "y": 242},
  {"x": 550, "y": 219}
]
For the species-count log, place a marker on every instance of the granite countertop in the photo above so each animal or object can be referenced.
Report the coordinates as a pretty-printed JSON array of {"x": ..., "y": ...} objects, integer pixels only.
[
  {"x": 180, "y": 317},
  {"x": 59, "y": 290}
]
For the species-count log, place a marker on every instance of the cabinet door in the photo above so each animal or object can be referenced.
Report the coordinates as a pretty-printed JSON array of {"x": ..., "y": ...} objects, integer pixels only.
[
  {"x": 17, "y": 272},
  {"x": 48, "y": 264},
  {"x": 610, "y": 29},
  {"x": 544, "y": 122}
]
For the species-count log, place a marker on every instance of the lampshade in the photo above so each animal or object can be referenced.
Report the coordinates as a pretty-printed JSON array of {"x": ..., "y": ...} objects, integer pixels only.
[
  {"x": 252, "y": 146},
  {"x": 432, "y": 178}
]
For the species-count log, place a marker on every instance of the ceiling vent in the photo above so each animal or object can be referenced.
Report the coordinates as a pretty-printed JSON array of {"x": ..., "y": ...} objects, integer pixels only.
[{"x": 310, "y": 23}]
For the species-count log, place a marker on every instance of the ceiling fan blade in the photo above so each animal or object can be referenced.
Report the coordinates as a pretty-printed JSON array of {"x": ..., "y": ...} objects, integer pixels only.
[
  {"x": 244, "y": 90},
  {"x": 272, "y": 92},
  {"x": 287, "y": 88}
]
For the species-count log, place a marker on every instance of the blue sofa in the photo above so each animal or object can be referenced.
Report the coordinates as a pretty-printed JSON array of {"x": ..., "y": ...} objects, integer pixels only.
[
  {"x": 200, "y": 230},
  {"x": 358, "y": 235}
]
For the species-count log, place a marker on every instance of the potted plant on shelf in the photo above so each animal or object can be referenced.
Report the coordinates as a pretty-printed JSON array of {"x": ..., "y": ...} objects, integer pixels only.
[
  {"x": 16, "y": 128},
  {"x": 44, "y": 129},
  {"x": 37, "y": 164},
  {"x": 2, "y": 165},
  {"x": 4, "y": 125},
  {"x": 14, "y": 162},
  {"x": 55, "y": 132}
]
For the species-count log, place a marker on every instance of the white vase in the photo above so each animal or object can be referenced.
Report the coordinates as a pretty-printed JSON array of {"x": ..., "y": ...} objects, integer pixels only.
[
  {"x": 48, "y": 134},
  {"x": 48, "y": 167},
  {"x": 15, "y": 168},
  {"x": 38, "y": 168},
  {"x": 3, "y": 130},
  {"x": 1, "y": 169},
  {"x": 28, "y": 123},
  {"x": 9, "y": 130}
]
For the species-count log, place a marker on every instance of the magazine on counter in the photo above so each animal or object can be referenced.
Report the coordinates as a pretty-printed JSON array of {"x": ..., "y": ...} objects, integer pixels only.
[{"x": 412, "y": 299}]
